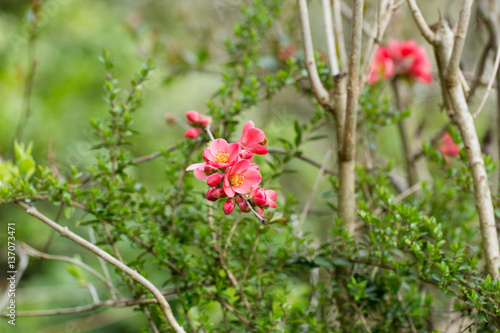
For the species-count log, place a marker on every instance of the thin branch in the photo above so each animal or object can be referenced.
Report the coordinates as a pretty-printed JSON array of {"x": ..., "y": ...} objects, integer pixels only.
[
  {"x": 19, "y": 271},
  {"x": 318, "y": 89},
  {"x": 250, "y": 259},
  {"x": 476, "y": 82},
  {"x": 421, "y": 23},
  {"x": 452, "y": 69},
  {"x": 314, "y": 188},
  {"x": 102, "y": 263},
  {"x": 490, "y": 84},
  {"x": 330, "y": 37},
  {"x": 261, "y": 219},
  {"x": 37, "y": 254},
  {"x": 347, "y": 12},
  {"x": 302, "y": 157},
  {"x": 117, "y": 303},
  {"x": 209, "y": 132},
  {"x": 65, "y": 232},
  {"x": 152, "y": 156},
  {"x": 339, "y": 32}
]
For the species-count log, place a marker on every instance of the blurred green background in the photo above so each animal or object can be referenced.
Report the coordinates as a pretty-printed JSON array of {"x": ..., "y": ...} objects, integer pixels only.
[{"x": 186, "y": 41}]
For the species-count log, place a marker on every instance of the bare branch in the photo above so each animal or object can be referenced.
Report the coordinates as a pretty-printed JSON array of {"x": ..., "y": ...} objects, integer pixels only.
[
  {"x": 330, "y": 38},
  {"x": 65, "y": 232},
  {"x": 37, "y": 254},
  {"x": 339, "y": 32},
  {"x": 452, "y": 69},
  {"x": 490, "y": 84},
  {"x": 319, "y": 90},
  {"x": 102, "y": 263},
  {"x": 23, "y": 264},
  {"x": 117, "y": 303},
  {"x": 421, "y": 23}
]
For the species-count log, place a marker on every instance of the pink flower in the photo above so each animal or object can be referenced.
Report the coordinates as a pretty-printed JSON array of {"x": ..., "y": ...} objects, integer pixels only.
[
  {"x": 263, "y": 198},
  {"x": 220, "y": 154},
  {"x": 215, "y": 193},
  {"x": 241, "y": 178},
  {"x": 448, "y": 147},
  {"x": 383, "y": 66},
  {"x": 196, "y": 119},
  {"x": 228, "y": 206},
  {"x": 253, "y": 139},
  {"x": 193, "y": 132},
  {"x": 286, "y": 52},
  {"x": 410, "y": 60}
]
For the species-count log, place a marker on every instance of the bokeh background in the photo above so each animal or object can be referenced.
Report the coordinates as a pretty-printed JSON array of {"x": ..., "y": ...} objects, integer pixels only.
[{"x": 186, "y": 41}]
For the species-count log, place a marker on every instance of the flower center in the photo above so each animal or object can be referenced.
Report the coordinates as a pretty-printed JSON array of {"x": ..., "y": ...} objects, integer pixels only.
[
  {"x": 236, "y": 179},
  {"x": 222, "y": 157}
]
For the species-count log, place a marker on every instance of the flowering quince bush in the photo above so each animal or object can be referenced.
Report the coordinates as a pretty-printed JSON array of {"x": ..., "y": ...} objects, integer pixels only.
[{"x": 298, "y": 220}]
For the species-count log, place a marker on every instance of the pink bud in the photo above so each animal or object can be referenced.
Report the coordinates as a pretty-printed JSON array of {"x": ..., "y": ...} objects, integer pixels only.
[
  {"x": 208, "y": 169},
  {"x": 210, "y": 194},
  {"x": 193, "y": 117},
  {"x": 228, "y": 206},
  {"x": 242, "y": 204},
  {"x": 204, "y": 120},
  {"x": 170, "y": 118},
  {"x": 192, "y": 133},
  {"x": 246, "y": 155},
  {"x": 260, "y": 211},
  {"x": 215, "y": 179},
  {"x": 219, "y": 193}
]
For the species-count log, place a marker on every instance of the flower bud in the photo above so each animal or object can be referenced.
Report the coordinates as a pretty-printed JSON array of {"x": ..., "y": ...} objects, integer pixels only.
[
  {"x": 260, "y": 211},
  {"x": 193, "y": 117},
  {"x": 192, "y": 133},
  {"x": 246, "y": 155},
  {"x": 208, "y": 169},
  {"x": 215, "y": 179},
  {"x": 204, "y": 120},
  {"x": 219, "y": 193},
  {"x": 228, "y": 206},
  {"x": 242, "y": 203},
  {"x": 210, "y": 194}
]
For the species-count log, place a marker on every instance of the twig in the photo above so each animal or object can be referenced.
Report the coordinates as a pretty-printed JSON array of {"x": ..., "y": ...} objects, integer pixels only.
[
  {"x": 118, "y": 303},
  {"x": 318, "y": 89},
  {"x": 250, "y": 259},
  {"x": 65, "y": 232},
  {"x": 300, "y": 156},
  {"x": 37, "y": 254},
  {"x": 211, "y": 136},
  {"x": 408, "y": 317},
  {"x": 231, "y": 233},
  {"x": 490, "y": 84},
  {"x": 261, "y": 219},
  {"x": 339, "y": 32},
  {"x": 23, "y": 264},
  {"x": 152, "y": 156},
  {"x": 476, "y": 82},
  {"x": 305, "y": 210},
  {"x": 421, "y": 23},
  {"x": 347, "y": 12},
  {"x": 330, "y": 37},
  {"x": 102, "y": 263}
]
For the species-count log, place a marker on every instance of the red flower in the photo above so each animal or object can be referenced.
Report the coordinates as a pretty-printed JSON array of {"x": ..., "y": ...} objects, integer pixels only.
[
  {"x": 263, "y": 198},
  {"x": 253, "y": 139},
  {"x": 410, "y": 60},
  {"x": 403, "y": 58},
  {"x": 241, "y": 178},
  {"x": 383, "y": 66},
  {"x": 220, "y": 154},
  {"x": 215, "y": 179},
  {"x": 448, "y": 147},
  {"x": 193, "y": 132}
]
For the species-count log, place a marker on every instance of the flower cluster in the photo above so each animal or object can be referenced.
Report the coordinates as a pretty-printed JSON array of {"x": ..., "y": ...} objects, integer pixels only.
[
  {"x": 198, "y": 121},
  {"x": 447, "y": 147},
  {"x": 229, "y": 170},
  {"x": 405, "y": 59}
]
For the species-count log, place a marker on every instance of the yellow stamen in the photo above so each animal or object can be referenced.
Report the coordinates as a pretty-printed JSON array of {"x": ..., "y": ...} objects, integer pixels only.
[
  {"x": 236, "y": 179},
  {"x": 222, "y": 157}
]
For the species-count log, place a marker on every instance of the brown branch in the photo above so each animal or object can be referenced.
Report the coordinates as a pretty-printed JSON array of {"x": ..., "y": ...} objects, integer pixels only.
[
  {"x": 65, "y": 232},
  {"x": 117, "y": 303},
  {"x": 421, "y": 23},
  {"x": 302, "y": 157},
  {"x": 339, "y": 32},
  {"x": 318, "y": 89}
]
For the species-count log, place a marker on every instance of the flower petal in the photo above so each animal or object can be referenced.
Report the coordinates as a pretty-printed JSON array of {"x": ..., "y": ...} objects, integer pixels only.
[
  {"x": 218, "y": 145},
  {"x": 253, "y": 177},
  {"x": 240, "y": 167}
]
